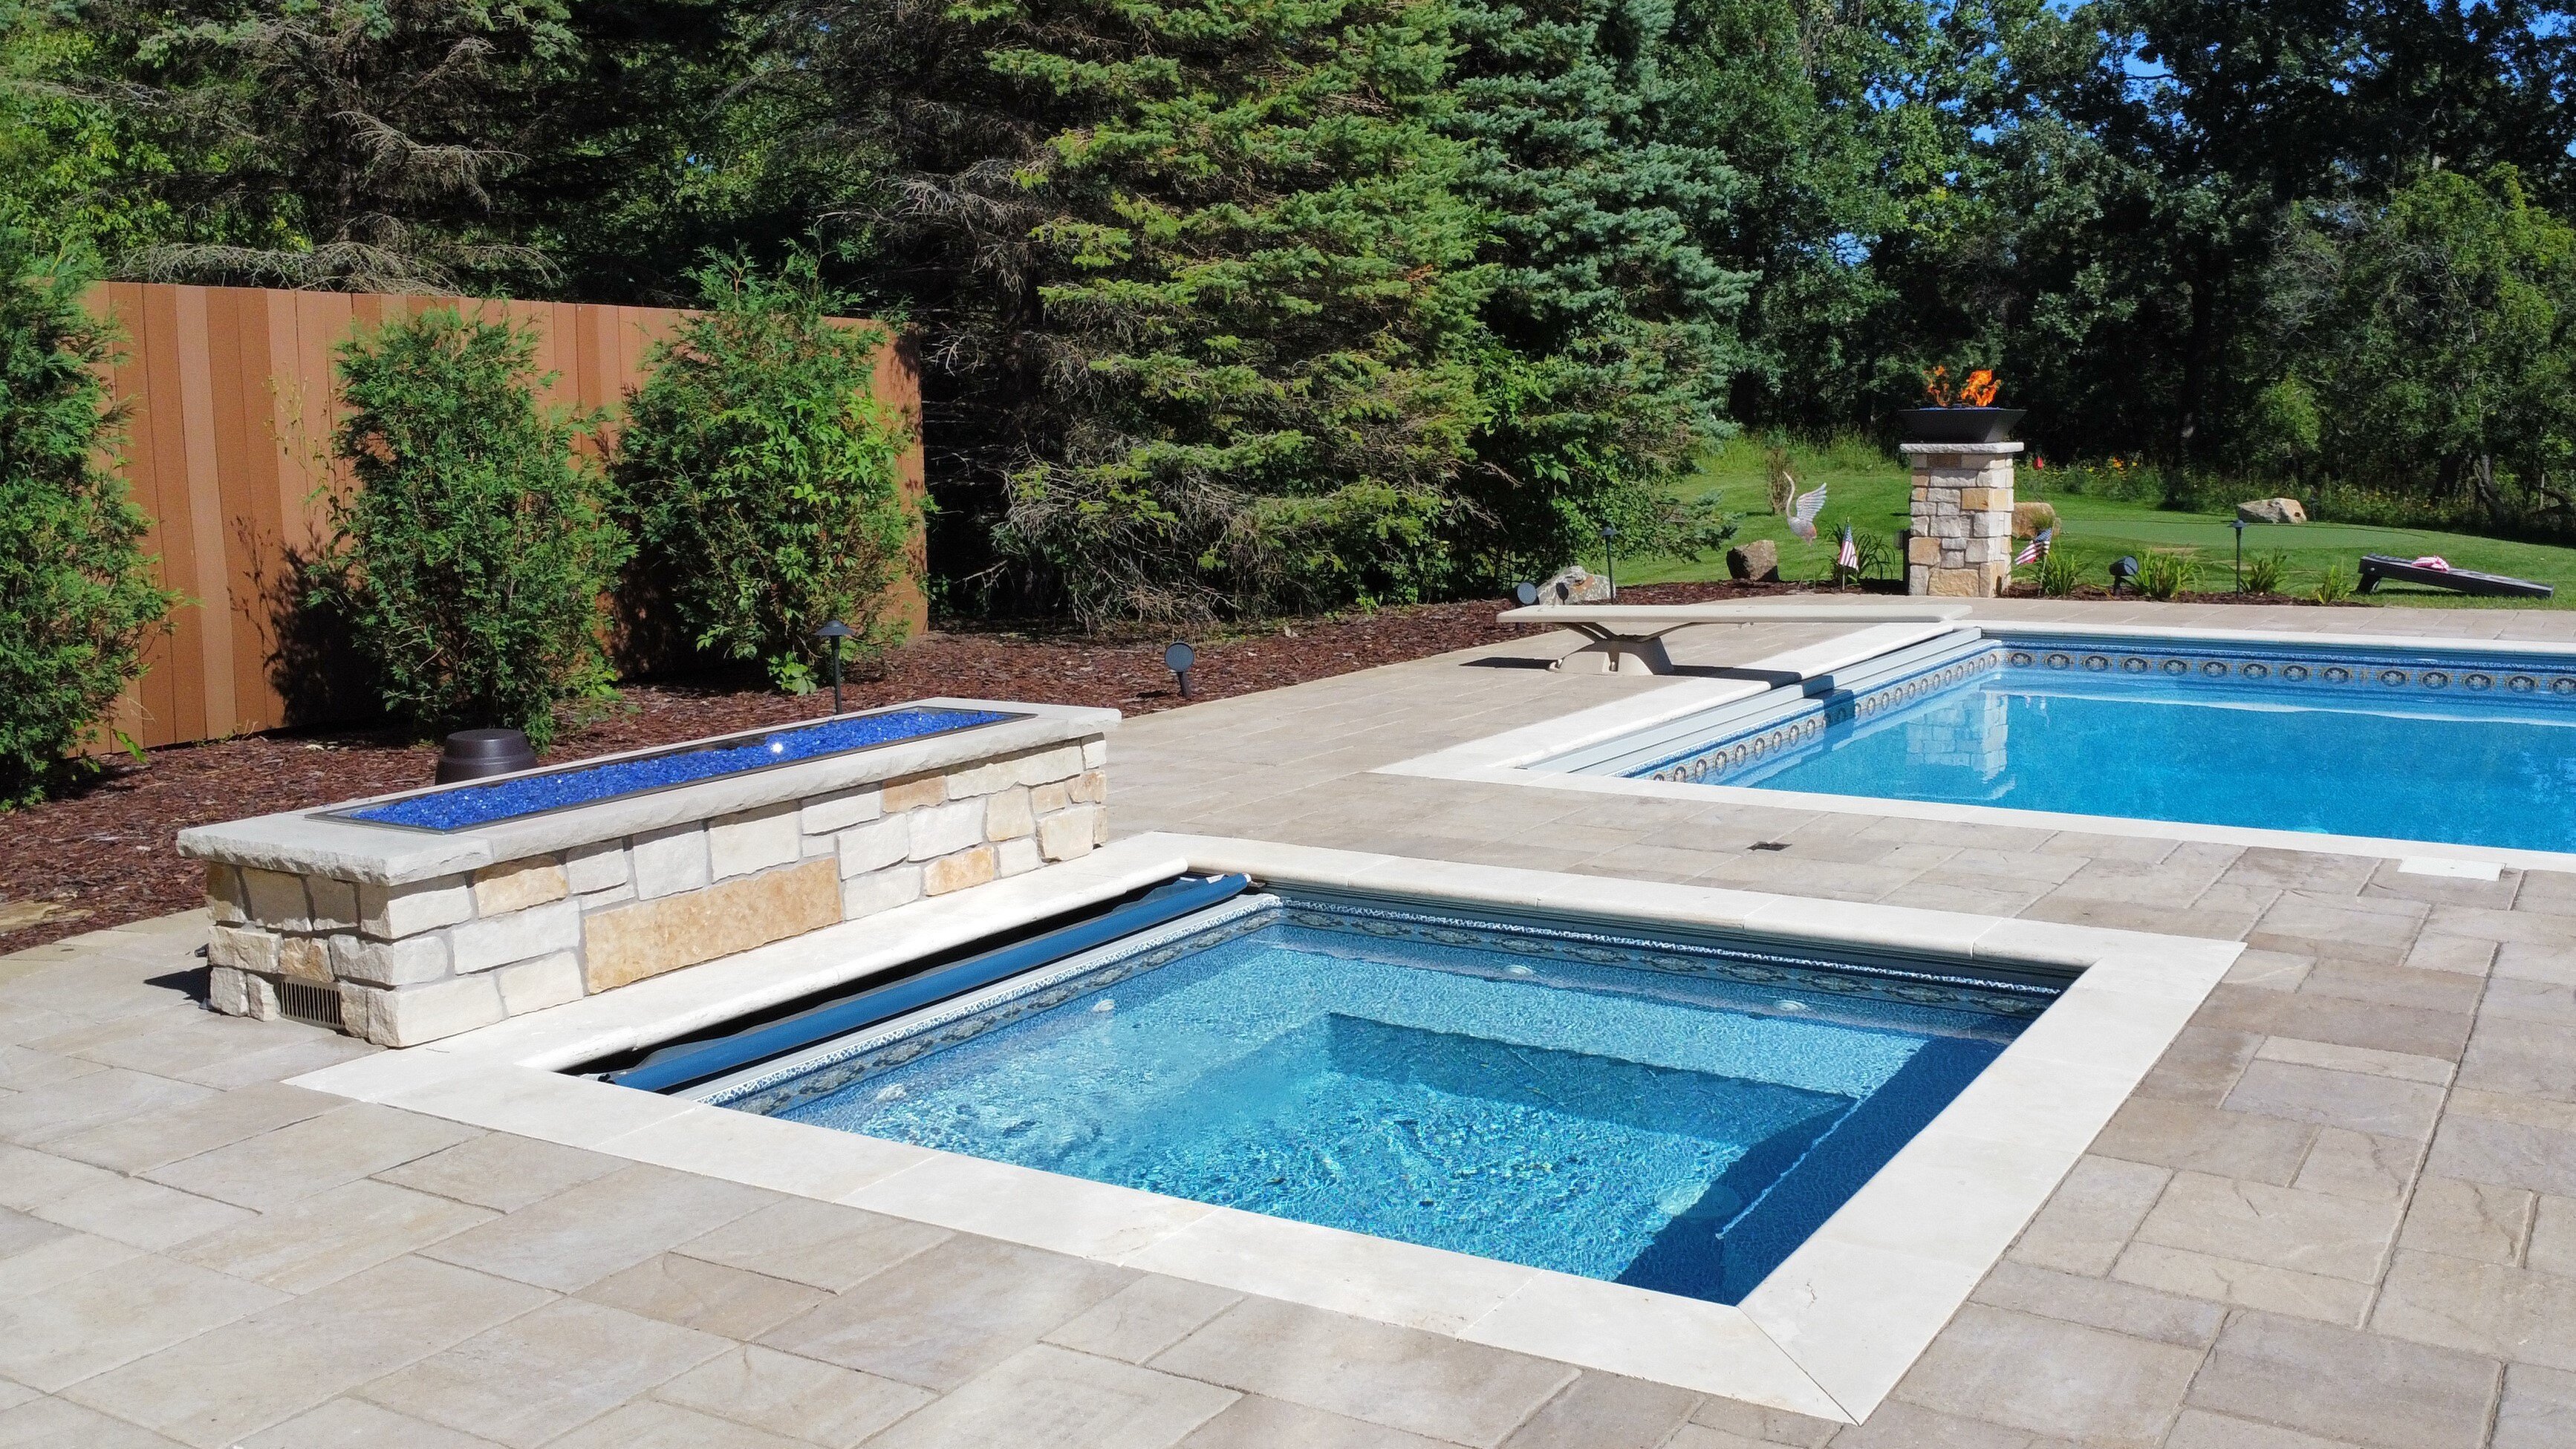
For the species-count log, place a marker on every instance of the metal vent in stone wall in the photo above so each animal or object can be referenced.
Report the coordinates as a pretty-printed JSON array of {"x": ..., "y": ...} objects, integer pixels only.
[{"x": 313, "y": 1005}]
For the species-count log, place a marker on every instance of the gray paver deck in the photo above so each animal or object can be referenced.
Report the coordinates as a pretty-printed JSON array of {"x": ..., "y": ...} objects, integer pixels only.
[{"x": 2341, "y": 1214}]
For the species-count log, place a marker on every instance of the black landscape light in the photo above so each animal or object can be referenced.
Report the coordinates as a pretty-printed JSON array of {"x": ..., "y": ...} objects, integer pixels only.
[
  {"x": 1526, "y": 594},
  {"x": 2239, "y": 525},
  {"x": 1178, "y": 659},
  {"x": 836, "y": 631},
  {"x": 2124, "y": 570},
  {"x": 1610, "y": 557}
]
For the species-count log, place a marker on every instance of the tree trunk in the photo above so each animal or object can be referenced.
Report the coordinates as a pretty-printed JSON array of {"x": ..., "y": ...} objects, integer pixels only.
[{"x": 2195, "y": 364}]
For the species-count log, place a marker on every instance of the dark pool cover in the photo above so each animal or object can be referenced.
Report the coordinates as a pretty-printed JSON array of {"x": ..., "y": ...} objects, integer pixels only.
[{"x": 471, "y": 805}]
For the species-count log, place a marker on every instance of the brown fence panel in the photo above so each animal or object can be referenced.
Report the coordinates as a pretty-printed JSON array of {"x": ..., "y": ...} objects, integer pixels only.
[{"x": 230, "y": 407}]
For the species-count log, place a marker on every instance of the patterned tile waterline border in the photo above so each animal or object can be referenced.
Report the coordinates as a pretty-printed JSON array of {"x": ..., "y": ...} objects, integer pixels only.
[
  {"x": 2291, "y": 670},
  {"x": 836, "y": 1068}
]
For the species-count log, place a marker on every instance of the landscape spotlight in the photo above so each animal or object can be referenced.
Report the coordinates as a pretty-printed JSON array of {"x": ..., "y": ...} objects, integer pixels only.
[
  {"x": 2124, "y": 570},
  {"x": 1178, "y": 659},
  {"x": 836, "y": 631},
  {"x": 1527, "y": 594}
]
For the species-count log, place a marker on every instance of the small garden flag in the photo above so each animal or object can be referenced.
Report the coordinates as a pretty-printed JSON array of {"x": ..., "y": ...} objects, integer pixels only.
[
  {"x": 1849, "y": 557},
  {"x": 2037, "y": 550}
]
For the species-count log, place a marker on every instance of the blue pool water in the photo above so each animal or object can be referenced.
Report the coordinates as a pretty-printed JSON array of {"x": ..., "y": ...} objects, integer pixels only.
[
  {"x": 2491, "y": 770},
  {"x": 1665, "y": 1117},
  {"x": 466, "y": 806}
]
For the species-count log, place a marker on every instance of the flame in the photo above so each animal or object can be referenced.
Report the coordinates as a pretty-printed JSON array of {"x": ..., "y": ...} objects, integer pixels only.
[{"x": 1977, "y": 392}]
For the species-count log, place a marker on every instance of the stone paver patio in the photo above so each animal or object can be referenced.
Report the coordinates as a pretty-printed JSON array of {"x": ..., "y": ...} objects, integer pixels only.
[{"x": 2342, "y": 1211}]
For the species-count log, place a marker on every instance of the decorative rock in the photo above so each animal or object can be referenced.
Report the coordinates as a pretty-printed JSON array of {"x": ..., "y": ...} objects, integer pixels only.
[
  {"x": 875, "y": 845},
  {"x": 536, "y": 985},
  {"x": 276, "y": 900},
  {"x": 914, "y": 793},
  {"x": 1007, "y": 815},
  {"x": 246, "y": 948},
  {"x": 752, "y": 841},
  {"x": 957, "y": 872},
  {"x": 668, "y": 862},
  {"x": 518, "y": 884},
  {"x": 223, "y": 894},
  {"x": 389, "y": 913},
  {"x": 946, "y": 829},
  {"x": 1575, "y": 585},
  {"x": 589, "y": 868},
  {"x": 416, "y": 1014},
  {"x": 2272, "y": 510},
  {"x": 334, "y": 903},
  {"x": 840, "y": 812},
  {"x": 305, "y": 958},
  {"x": 2029, "y": 518},
  {"x": 1754, "y": 562},
  {"x": 1069, "y": 834},
  {"x": 407, "y": 962},
  {"x": 882, "y": 890},
  {"x": 629, "y": 943},
  {"x": 499, "y": 940},
  {"x": 1012, "y": 857}
]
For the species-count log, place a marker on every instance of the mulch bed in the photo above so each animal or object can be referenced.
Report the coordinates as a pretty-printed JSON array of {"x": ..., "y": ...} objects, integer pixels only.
[{"x": 100, "y": 854}]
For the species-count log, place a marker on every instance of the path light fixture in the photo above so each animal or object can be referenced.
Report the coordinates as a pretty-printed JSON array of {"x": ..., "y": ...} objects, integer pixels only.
[
  {"x": 1610, "y": 557},
  {"x": 836, "y": 631},
  {"x": 2124, "y": 570},
  {"x": 1178, "y": 659},
  {"x": 1525, "y": 594},
  {"x": 2239, "y": 525}
]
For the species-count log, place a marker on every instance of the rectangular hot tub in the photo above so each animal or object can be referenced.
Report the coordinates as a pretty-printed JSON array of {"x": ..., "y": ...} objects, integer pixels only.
[{"x": 1655, "y": 1110}]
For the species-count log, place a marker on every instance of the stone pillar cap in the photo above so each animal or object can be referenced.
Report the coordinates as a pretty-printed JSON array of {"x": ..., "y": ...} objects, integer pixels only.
[{"x": 1985, "y": 450}]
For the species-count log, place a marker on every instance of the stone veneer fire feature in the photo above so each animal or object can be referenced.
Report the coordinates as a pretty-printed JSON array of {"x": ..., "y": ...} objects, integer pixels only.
[
  {"x": 1962, "y": 545},
  {"x": 403, "y": 936}
]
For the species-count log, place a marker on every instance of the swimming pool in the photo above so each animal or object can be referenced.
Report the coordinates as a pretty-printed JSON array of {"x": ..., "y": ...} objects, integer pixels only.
[
  {"x": 1666, "y": 1112},
  {"x": 2407, "y": 743}
]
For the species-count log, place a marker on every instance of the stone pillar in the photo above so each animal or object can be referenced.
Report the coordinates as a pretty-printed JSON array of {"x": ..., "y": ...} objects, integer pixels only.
[{"x": 1963, "y": 503}]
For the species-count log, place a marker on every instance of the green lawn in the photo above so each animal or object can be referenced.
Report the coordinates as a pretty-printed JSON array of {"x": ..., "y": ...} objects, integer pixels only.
[{"x": 1870, "y": 493}]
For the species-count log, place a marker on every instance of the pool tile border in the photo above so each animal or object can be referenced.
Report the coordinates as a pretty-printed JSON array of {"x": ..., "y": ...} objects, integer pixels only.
[{"x": 1828, "y": 1334}]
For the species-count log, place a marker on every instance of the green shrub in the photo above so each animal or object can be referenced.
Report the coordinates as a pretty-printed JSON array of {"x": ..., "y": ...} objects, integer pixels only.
[
  {"x": 2163, "y": 574},
  {"x": 2334, "y": 587},
  {"x": 2263, "y": 572},
  {"x": 2057, "y": 574},
  {"x": 766, "y": 482},
  {"x": 473, "y": 552},
  {"x": 77, "y": 595}
]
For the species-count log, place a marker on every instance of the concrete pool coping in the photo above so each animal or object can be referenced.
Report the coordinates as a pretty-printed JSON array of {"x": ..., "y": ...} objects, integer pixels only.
[
  {"x": 1828, "y": 1333},
  {"x": 1506, "y": 758}
]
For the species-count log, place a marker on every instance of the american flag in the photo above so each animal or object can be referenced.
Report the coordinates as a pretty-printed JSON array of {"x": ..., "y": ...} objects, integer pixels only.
[
  {"x": 2037, "y": 550},
  {"x": 1849, "y": 557}
]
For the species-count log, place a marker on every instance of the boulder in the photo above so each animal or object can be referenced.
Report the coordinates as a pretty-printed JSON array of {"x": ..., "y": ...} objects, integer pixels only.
[
  {"x": 1756, "y": 562},
  {"x": 2272, "y": 510},
  {"x": 1576, "y": 585},
  {"x": 2030, "y": 518}
]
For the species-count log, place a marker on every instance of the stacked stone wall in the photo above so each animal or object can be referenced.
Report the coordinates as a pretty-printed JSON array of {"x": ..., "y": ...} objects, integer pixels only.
[
  {"x": 415, "y": 962},
  {"x": 1962, "y": 545}
]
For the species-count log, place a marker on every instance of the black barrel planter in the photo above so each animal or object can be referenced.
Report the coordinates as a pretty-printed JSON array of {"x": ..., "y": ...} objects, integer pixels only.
[
  {"x": 1958, "y": 425},
  {"x": 475, "y": 754}
]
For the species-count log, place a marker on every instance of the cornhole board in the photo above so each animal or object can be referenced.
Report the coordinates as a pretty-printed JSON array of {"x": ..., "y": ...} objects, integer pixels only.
[{"x": 2376, "y": 567}]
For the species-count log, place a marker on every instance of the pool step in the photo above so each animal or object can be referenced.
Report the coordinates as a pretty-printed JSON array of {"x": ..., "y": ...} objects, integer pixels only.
[{"x": 1842, "y": 666}]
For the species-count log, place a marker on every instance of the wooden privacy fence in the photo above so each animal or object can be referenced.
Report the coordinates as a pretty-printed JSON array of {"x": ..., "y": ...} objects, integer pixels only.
[{"x": 232, "y": 406}]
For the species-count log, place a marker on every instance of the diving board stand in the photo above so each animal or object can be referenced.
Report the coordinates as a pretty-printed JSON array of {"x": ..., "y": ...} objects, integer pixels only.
[{"x": 1629, "y": 638}]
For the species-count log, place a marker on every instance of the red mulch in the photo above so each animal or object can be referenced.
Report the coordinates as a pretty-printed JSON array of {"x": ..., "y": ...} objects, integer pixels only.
[{"x": 101, "y": 855}]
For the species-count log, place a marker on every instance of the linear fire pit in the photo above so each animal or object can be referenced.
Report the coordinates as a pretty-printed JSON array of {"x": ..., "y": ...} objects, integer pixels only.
[{"x": 411, "y": 917}]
